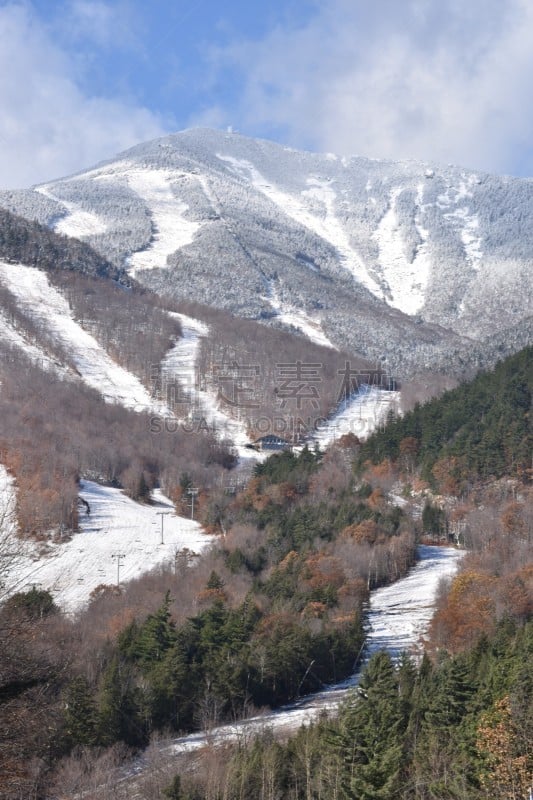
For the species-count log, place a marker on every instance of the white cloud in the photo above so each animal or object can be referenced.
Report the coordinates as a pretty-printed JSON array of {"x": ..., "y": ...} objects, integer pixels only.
[
  {"x": 107, "y": 25},
  {"x": 439, "y": 80},
  {"x": 48, "y": 125}
]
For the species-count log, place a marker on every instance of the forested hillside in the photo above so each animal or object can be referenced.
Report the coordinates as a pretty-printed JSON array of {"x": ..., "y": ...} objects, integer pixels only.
[
  {"x": 54, "y": 427},
  {"x": 456, "y": 724},
  {"x": 276, "y": 382},
  {"x": 47, "y": 451},
  {"x": 276, "y": 610},
  {"x": 457, "y": 728},
  {"x": 477, "y": 431},
  {"x": 28, "y": 242}
]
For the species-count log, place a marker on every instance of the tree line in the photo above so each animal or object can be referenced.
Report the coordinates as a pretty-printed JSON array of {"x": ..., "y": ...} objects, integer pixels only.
[
  {"x": 456, "y": 728},
  {"x": 477, "y": 431}
]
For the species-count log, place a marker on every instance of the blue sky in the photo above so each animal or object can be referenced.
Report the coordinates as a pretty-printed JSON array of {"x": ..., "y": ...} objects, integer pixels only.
[{"x": 435, "y": 80}]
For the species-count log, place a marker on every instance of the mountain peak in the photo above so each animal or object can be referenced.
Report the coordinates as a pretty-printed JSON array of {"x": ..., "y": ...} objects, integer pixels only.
[{"x": 418, "y": 261}]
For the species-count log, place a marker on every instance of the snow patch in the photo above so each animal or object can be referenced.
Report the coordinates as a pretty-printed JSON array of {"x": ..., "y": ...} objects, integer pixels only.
[
  {"x": 407, "y": 280},
  {"x": 323, "y": 222},
  {"x": 293, "y": 317},
  {"x": 360, "y": 415},
  {"x": 70, "y": 570},
  {"x": 77, "y": 223},
  {"x": 172, "y": 230},
  {"x": 44, "y": 304}
]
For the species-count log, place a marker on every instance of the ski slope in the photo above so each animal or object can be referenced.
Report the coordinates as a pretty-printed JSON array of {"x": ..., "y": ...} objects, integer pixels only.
[
  {"x": 44, "y": 304},
  {"x": 398, "y": 618},
  {"x": 180, "y": 363},
  {"x": 180, "y": 376},
  {"x": 321, "y": 221},
  {"x": 399, "y": 614},
  {"x": 72, "y": 569},
  {"x": 171, "y": 229},
  {"x": 76, "y": 222},
  {"x": 407, "y": 279},
  {"x": 12, "y": 337},
  {"x": 294, "y": 318},
  {"x": 360, "y": 415}
]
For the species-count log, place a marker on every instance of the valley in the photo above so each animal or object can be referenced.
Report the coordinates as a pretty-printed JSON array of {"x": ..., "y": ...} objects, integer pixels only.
[{"x": 265, "y": 453}]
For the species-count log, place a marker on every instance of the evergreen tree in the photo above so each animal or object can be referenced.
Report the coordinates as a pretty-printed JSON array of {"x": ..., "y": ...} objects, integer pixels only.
[
  {"x": 173, "y": 790},
  {"x": 148, "y": 643},
  {"x": 215, "y": 581},
  {"x": 81, "y": 716},
  {"x": 119, "y": 717},
  {"x": 371, "y": 733},
  {"x": 444, "y": 754}
]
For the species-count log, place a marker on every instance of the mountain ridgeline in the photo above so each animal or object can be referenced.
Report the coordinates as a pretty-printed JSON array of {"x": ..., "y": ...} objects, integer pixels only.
[{"x": 417, "y": 263}]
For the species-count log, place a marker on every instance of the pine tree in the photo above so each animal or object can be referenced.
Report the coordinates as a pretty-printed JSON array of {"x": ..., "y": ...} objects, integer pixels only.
[
  {"x": 215, "y": 581},
  {"x": 147, "y": 644},
  {"x": 443, "y": 756},
  {"x": 81, "y": 716},
  {"x": 119, "y": 717},
  {"x": 111, "y": 723},
  {"x": 370, "y": 739}
]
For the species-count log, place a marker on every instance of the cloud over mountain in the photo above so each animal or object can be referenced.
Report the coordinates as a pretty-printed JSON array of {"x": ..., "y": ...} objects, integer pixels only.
[
  {"x": 442, "y": 81},
  {"x": 49, "y": 124}
]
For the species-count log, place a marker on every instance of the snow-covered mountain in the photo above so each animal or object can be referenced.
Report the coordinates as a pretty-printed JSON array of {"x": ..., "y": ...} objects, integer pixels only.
[{"x": 415, "y": 262}]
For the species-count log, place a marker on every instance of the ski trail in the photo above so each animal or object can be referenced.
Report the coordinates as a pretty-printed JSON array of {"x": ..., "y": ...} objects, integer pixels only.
[
  {"x": 361, "y": 415},
  {"x": 13, "y": 337},
  {"x": 295, "y": 318},
  {"x": 172, "y": 230},
  {"x": 398, "y": 617},
  {"x": 76, "y": 222},
  {"x": 325, "y": 224},
  {"x": 72, "y": 569},
  {"x": 184, "y": 388},
  {"x": 44, "y": 304}
]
